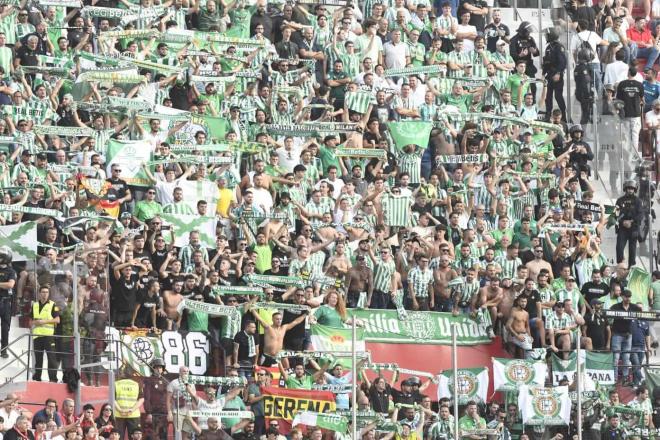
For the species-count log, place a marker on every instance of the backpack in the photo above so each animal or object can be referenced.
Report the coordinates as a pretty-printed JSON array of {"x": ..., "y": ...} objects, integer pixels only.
[{"x": 585, "y": 48}]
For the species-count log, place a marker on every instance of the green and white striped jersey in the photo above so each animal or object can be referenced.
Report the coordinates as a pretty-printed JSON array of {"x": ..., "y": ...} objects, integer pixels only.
[
  {"x": 396, "y": 210},
  {"x": 411, "y": 163},
  {"x": 383, "y": 274},
  {"x": 466, "y": 291},
  {"x": 509, "y": 267},
  {"x": 178, "y": 208},
  {"x": 419, "y": 280},
  {"x": 574, "y": 295}
]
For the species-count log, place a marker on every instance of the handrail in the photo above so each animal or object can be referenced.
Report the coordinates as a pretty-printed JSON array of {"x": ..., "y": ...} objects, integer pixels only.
[{"x": 28, "y": 368}]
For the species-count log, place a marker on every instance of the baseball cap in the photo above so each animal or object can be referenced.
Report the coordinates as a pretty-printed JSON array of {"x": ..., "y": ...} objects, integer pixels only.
[
  {"x": 26, "y": 153},
  {"x": 595, "y": 301},
  {"x": 42, "y": 156},
  {"x": 126, "y": 215},
  {"x": 501, "y": 43}
]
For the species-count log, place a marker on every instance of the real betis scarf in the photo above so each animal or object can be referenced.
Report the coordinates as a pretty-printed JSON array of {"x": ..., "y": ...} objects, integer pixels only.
[
  {"x": 274, "y": 279},
  {"x": 462, "y": 158},
  {"x": 97, "y": 11},
  {"x": 31, "y": 210},
  {"x": 282, "y": 306},
  {"x": 127, "y": 103},
  {"x": 418, "y": 70},
  {"x": 51, "y": 130},
  {"x": 209, "y": 309},
  {"x": 220, "y": 381},
  {"x": 330, "y": 422},
  {"x": 222, "y": 414},
  {"x": 361, "y": 152},
  {"x": 118, "y": 77},
  {"x": 239, "y": 290}
]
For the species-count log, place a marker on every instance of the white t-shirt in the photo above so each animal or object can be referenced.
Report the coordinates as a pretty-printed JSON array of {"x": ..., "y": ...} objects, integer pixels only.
[
  {"x": 653, "y": 120},
  {"x": 395, "y": 55},
  {"x": 592, "y": 38},
  {"x": 616, "y": 72}
]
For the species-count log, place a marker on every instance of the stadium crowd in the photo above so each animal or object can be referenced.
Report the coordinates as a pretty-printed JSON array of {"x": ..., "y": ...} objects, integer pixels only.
[{"x": 250, "y": 169}]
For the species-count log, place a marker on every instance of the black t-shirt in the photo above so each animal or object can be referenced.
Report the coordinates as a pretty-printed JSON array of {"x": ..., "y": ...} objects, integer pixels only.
[
  {"x": 125, "y": 293},
  {"x": 631, "y": 93},
  {"x": 478, "y": 21},
  {"x": 243, "y": 341},
  {"x": 592, "y": 290},
  {"x": 158, "y": 258},
  {"x": 533, "y": 298},
  {"x": 620, "y": 325},
  {"x": 297, "y": 332},
  {"x": 117, "y": 190},
  {"x": 33, "y": 217},
  {"x": 27, "y": 56},
  {"x": 596, "y": 327},
  {"x": 147, "y": 305},
  {"x": 492, "y": 35}
]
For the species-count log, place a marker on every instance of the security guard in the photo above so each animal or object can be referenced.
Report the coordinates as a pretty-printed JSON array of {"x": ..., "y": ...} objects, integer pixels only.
[
  {"x": 155, "y": 397},
  {"x": 629, "y": 212},
  {"x": 554, "y": 66},
  {"x": 45, "y": 316},
  {"x": 523, "y": 47},
  {"x": 128, "y": 400},
  {"x": 7, "y": 283},
  {"x": 583, "y": 74}
]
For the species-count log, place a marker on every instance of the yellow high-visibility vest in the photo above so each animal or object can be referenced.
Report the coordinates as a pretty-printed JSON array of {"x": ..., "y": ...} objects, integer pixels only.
[
  {"x": 127, "y": 392},
  {"x": 46, "y": 312}
]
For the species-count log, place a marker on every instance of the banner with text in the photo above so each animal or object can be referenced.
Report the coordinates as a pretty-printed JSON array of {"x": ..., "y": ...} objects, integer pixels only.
[{"x": 419, "y": 328}]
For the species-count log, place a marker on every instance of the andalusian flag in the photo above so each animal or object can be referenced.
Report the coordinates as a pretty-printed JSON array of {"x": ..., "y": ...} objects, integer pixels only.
[
  {"x": 331, "y": 422},
  {"x": 325, "y": 338},
  {"x": 639, "y": 283},
  {"x": 359, "y": 101},
  {"x": 472, "y": 384},
  {"x": 183, "y": 224},
  {"x": 410, "y": 132},
  {"x": 21, "y": 239},
  {"x": 510, "y": 374},
  {"x": 129, "y": 155}
]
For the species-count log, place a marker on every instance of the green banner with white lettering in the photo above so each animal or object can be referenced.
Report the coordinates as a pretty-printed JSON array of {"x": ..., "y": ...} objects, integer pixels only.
[{"x": 419, "y": 328}]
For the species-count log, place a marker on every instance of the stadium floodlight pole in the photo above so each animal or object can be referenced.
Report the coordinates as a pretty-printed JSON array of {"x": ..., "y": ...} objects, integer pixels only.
[
  {"x": 76, "y": 328},
  {"x": 454, "y": 361},
  {"x": 578, "y": 387},
  {"x": 354, "y": 430}
]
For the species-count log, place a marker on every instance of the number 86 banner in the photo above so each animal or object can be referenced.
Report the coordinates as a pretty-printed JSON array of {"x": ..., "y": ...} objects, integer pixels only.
[{"x": 137, "y": 349}]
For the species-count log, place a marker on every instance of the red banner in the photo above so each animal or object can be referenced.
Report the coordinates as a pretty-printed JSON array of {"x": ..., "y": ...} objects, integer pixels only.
[{"x": 282, "y": 404}]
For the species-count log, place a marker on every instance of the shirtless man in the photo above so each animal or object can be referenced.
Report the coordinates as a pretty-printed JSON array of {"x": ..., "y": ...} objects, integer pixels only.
[
  {"x": 359, "y": 228},
  {"x": 485, "y": 304},
  {"x": 537, "y": 263},
  {"x": 518, "y": 327},
  {"x": 442, "y": 275},
  {"x": 328, "y": 231},
  {"x": 358, "y": 280},
  {"x": 274, "y": 334},
  {"x": 171, "y": 300},
  {"x": 339, "y": 262}
]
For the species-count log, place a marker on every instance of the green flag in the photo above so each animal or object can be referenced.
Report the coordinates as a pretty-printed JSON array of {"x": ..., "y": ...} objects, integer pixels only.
[
  {"x": 472, "y": 384},
  {"x": 216, "y": 127},
  {"x": 21, "y": 239},
  {"x": 184, "y": 224},
  {"x": 410, "y": 132},
  {"x": 639, "y": 283},
  {"x": 129, "y": 155}
]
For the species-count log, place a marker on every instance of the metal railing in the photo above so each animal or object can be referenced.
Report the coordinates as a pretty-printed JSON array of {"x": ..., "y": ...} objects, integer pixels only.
[{"x": 101, "y": 363}]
